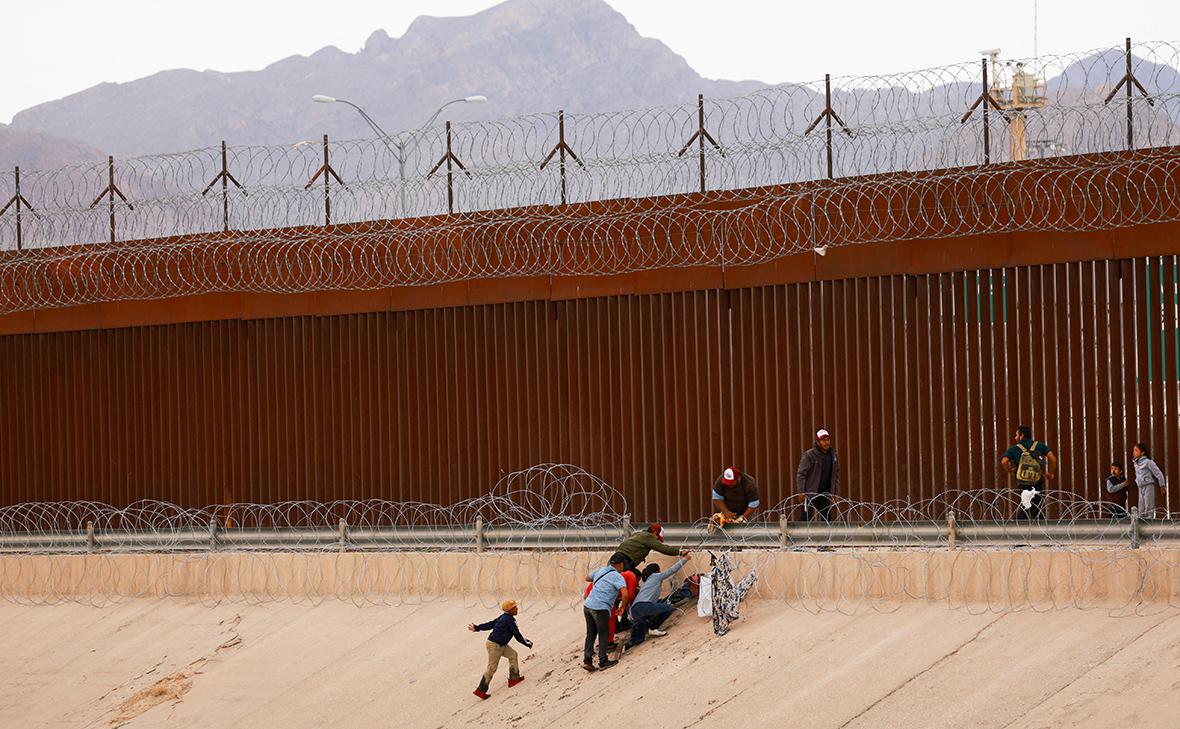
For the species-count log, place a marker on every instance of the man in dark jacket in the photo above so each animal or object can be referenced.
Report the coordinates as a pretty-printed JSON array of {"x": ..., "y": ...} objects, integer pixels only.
[
  {"x": 818, "y": 477},
  {"x": 503, "y": 630},
  {"x": 735, "y": 497}
]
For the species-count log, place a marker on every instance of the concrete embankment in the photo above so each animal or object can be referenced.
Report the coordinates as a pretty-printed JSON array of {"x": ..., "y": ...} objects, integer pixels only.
[{"x": 315, "y": 640}]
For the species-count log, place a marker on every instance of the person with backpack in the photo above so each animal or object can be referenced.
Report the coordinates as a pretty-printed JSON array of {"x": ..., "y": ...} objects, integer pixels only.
[
  {"x": 503, "y": 629},
  {"x": 1148, "y": 478},
  {"x": 1032, "y": 463}
]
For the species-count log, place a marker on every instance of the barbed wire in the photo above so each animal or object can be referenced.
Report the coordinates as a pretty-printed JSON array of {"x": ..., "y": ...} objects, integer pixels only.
[
  {"x": 637, "y": 190},
  {"x": 552, "y": 520}
]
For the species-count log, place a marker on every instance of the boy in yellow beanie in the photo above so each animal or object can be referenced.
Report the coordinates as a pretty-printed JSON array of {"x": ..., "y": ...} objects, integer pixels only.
[{"x": 503, "y": 630}]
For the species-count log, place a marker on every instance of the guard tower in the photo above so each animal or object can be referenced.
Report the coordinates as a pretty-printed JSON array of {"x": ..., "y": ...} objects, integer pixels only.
[{"x": 1018, "y": 89}]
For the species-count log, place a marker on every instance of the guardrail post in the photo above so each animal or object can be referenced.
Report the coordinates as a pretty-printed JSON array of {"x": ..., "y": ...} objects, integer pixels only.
[
  {"x": 213, "y": 533},
  {"x": 479, "y": 535},
  {"x": 1134, "y": 527},
  {"x": 952, "y": 529},
  {"x": 782, "y": 532},
  {"x": 90, "y": 544},
  {"x": 343, "y": 534}
]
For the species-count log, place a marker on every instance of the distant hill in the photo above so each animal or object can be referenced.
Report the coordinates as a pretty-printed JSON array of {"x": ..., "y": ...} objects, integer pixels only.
[
  {"x": 36, "y": 150},
  {"x": 525, "y": 55}
]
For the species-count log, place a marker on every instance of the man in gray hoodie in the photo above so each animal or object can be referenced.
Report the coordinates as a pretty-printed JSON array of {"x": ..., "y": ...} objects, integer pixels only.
[
  {"x": 1148, "y": 478},
  {"x": 818, "y": 477}
]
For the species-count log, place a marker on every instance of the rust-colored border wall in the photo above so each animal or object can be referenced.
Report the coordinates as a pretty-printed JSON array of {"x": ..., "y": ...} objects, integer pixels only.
[
  {"x": 921, "y": 376},
  {"x": 917, "y": 257}
]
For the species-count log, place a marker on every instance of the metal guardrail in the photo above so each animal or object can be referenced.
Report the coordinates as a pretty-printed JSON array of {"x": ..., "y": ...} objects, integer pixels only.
[{"x": 785, "y": 535}]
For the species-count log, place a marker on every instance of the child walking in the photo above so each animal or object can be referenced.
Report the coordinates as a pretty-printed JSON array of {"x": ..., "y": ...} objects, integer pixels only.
[{"x": 503, "y": 630}]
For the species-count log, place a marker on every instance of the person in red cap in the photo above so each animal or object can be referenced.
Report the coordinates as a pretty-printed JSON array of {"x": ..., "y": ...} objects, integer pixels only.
[
  {"x": 640, "y": 544},
  {"x": 735, "y": 497},
  {"x": 818, "y": 477}
]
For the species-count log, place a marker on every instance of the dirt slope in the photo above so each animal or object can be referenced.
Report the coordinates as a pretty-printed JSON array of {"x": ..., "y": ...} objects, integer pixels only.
[{"x": 151, "y": 663}]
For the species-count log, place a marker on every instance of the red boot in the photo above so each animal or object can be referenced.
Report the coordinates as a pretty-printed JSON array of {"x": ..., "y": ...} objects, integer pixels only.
[
  {"x": 481, "y": 693},
  {"x": 513, "y": 681}
]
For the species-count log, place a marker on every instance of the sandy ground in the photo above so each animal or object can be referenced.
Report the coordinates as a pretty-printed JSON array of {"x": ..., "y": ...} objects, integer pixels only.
[{"x": 157, "y": 663}]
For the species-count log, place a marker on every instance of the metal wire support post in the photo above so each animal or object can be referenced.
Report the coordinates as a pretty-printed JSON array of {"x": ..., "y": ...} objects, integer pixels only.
[
  {"x": 986, "y": 99},
  {"x": 700, "y": 137},
  {"x": 326, "y": 170},
  {"x": 561, "y": 149},
  {"x": 952, "y": 530},
  {"x": 110, "y": 192},
  {"x": 1126, "y": 82},
  {"x": 19, "y": 201},
  {"x": 225, "y": 178},
  {"x": 342, "y": 537},
  {"x": 449, "y": 157},
  {"x": 827, "y": 115}
]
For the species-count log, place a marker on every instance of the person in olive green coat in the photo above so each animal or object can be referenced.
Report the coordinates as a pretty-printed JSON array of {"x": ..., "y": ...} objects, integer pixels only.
[{"x": 637, "y": 546}]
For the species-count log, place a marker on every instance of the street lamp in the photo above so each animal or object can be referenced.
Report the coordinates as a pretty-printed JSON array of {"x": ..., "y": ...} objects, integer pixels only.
[{"x": 400, "y": 147}]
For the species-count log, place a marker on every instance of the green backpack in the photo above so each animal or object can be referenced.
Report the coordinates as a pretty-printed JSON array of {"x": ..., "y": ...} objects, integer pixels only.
[{"x": 1030, "y": 469}]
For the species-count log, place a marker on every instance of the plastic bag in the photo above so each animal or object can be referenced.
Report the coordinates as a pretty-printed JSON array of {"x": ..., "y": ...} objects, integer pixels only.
[{"x": 705, "y": 600}]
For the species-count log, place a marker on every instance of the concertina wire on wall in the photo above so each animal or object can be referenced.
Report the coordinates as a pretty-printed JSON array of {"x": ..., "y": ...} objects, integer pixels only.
[
  {"x": 907, "y": 154},
  {"x": 141, "y": 551}
]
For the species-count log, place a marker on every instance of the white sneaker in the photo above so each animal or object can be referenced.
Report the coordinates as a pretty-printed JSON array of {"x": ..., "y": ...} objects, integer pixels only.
[{"x": 656, "y": 632}]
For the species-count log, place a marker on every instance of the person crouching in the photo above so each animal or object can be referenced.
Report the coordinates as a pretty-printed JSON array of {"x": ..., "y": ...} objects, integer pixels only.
[{"x": 503, "y": 629}]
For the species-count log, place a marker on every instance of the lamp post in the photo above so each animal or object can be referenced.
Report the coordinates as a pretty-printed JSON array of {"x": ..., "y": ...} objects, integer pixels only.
[{"x": 399, "y": 147}]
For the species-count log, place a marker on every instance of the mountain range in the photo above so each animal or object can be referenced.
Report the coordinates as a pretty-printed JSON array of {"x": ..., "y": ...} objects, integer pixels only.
[{"x": 524, "y": 55}]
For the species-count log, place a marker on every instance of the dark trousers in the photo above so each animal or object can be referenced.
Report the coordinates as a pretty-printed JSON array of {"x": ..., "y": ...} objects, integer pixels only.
[
  {"x": 597, "y": 628},
  {"x": 818, "y": 507},
  {"x": 647, "y": 615},
  {"x": 1116, "y": 511},
  {"x": 1036, "y": 509}
]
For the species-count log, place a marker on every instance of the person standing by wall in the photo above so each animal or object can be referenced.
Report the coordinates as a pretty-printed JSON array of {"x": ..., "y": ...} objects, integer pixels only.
[
  {"x": 1114, "y": 496},
  {"x": 1148, "y": 479},
  {"x": 818, "y": 476},
  {"x": 1032, "y": 463}
]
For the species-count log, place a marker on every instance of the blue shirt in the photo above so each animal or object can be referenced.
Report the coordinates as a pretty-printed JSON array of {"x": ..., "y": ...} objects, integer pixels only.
[{"x": 607, "y": 583}]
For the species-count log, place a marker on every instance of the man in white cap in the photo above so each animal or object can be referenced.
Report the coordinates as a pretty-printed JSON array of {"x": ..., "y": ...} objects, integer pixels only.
[
  {"x": 735, "y": 497},
  {"x": 818, "y": 477}
]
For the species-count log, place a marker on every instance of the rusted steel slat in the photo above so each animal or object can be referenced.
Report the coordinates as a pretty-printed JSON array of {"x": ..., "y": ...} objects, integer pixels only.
[{"x": 1170, "y": 371}]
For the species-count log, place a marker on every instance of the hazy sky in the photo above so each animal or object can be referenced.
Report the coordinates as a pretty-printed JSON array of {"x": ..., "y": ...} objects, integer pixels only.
[{"x": 52, "y": 48}]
